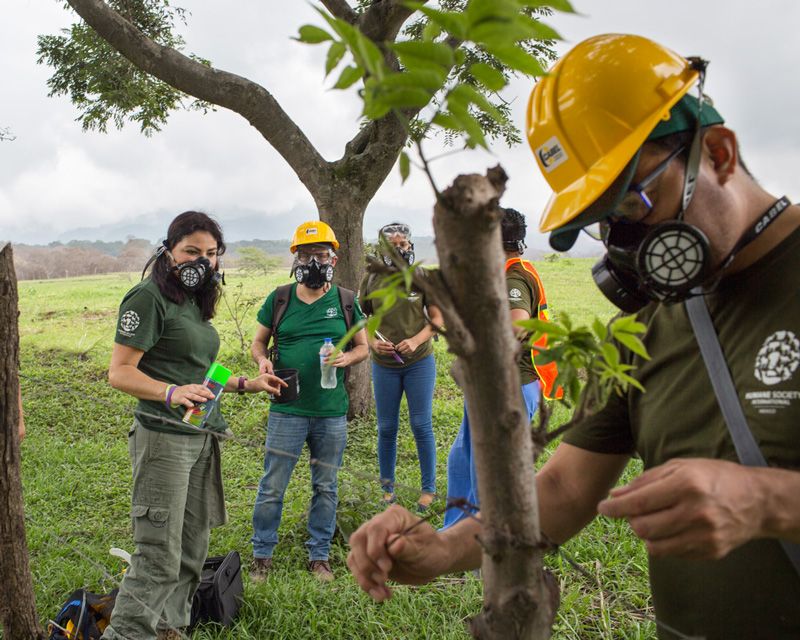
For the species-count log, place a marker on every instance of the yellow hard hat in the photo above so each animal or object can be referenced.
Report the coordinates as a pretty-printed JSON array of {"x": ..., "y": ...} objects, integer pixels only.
[
  {"x": 311, "y": 233},
  {"x": 590, "y": 115}
]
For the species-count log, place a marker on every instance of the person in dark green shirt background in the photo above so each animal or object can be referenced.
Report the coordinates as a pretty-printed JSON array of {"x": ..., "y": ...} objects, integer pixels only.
[
  {"x": 403, "y": 362},
  {"x": 317, "y": 416},
  {"x": 163, "y": 346}
]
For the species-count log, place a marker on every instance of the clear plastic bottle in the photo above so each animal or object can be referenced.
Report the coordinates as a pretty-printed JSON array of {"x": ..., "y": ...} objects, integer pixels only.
[{"x": 328, "y": 373}]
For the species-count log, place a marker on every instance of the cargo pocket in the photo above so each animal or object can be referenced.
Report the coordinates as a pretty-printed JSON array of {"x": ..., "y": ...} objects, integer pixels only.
[{"x": 150, "y": 524}]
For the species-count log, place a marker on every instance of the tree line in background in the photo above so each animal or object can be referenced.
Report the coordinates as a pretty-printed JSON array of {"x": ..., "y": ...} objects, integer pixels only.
[
  {"x": 93, "y": 257},
  {"x": 82, "y": 258}
]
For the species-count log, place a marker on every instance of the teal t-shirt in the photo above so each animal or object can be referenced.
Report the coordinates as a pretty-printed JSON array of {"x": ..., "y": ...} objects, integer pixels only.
[
  {"x": 301, "y": 333},
  {"x": 179, "y": 347}
]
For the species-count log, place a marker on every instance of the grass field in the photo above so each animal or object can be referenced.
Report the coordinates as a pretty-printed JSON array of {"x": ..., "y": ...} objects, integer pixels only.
[{"x": 76, "y": 478}]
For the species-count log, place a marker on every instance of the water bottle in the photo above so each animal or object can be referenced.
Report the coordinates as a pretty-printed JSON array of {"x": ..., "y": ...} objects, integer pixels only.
[
  {"x": 215, "y": 380},
  {"x": 328, "y": 373}
]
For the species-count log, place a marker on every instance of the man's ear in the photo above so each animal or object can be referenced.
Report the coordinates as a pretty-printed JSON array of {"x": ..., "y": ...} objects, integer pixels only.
[{"x": 723, "y": 151}]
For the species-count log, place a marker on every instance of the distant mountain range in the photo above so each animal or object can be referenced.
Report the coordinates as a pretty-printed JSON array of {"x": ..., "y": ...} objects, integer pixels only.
[{"x": 247, "y": 227}]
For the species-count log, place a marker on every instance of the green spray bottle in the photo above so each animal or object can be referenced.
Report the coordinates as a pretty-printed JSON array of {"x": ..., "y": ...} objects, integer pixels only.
[{"x": 216, "y": 378}]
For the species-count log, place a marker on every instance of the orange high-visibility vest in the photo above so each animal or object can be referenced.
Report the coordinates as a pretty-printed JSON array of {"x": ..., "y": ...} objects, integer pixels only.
[{"x": 547, "y": 372}]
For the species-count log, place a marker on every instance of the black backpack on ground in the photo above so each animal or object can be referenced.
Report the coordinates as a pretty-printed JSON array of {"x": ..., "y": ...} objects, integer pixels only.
[
  {"x": 219, "y": 594},
  {"x": 85, "y": 615}
]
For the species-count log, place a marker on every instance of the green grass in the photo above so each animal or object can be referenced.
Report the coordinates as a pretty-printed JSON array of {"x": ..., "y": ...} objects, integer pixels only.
[{"x": 76, "y": 479}]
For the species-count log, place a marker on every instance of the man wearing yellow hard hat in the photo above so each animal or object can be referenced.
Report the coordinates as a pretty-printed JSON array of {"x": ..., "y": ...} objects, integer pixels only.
[
  {"x": 629, "y": 144},
  {"x": 303, "y": 321}
]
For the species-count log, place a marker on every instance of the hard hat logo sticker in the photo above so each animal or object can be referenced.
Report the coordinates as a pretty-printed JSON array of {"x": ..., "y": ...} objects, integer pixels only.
[{"x": 551, "y": 154}]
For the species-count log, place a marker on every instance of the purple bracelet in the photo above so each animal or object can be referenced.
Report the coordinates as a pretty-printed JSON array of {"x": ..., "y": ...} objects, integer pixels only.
[{"x": 170, "y": 391}]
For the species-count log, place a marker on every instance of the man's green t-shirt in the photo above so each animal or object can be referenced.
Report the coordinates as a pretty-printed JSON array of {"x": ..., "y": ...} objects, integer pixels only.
[
  {"x": 404, "y": 320},
  {"x": 301, "y": 333},
  {"x": 523, "y": 294},
  {"x": 753, "y": 592},
  {"x": 179, "y": 347}
]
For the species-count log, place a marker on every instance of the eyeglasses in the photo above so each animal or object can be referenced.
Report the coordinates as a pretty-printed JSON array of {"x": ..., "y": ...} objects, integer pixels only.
[
  {"x": 635, "y": 205},
  {"x": 322, "y": 257}
]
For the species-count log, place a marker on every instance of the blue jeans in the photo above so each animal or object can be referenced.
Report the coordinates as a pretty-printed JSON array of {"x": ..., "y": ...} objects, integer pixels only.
[
  {"x": 326, "y": 438},
  {"x": 417, "y": 381},
  {"x": 462, "y": 481}
]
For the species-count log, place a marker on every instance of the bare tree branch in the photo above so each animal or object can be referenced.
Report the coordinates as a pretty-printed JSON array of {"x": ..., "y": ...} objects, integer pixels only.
[
  {"x": 245, "y": 97},
  {"x": 341, "y": 9},
  {"x": 382, "y": 21}
]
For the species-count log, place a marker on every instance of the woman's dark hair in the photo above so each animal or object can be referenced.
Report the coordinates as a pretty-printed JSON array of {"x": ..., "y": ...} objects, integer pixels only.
[
  {"x": 184, "y": 225},
  {"x": 512, "y": 228}
]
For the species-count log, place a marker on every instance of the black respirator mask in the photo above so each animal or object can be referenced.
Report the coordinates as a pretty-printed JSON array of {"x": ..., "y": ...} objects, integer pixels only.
[
  {"x": 197, "y": 274},
  {"x": 384, "y": 235},
  {"x": 313, "y": 275},
  {"x": 194, "y": 275}
]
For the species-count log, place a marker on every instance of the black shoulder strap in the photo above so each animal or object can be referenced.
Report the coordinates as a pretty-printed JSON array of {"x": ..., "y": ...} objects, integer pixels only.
[
  {"x": 745, "y": 444},
  {"x": 347, "y": 299},
  {"x": 279, "y": 305}
]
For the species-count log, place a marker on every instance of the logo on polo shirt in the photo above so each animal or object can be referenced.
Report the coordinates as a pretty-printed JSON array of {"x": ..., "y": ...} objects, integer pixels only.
[
  {"x": 778, "y": 358},
  {"x": 128, "y": 323},
  {"x": 331, "y": 312},
  {"x": 515, "y": 294}
]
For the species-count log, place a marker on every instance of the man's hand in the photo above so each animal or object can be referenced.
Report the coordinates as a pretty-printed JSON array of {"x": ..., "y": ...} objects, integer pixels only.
[
  {"x": 265, "y": 365},
  {"x": 379, "y": 552},
  {"x": 691, "y": 508}
]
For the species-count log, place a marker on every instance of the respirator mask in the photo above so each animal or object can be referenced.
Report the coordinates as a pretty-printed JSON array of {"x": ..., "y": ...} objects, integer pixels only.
[
  {"x": 385, "y": 235},
  {"x": 313, "y": 270},
  {"x": 194, "y": 275}
]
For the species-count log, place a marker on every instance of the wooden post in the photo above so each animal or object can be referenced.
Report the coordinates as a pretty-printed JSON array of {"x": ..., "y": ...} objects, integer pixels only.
[{"x": 17, "y": 602}]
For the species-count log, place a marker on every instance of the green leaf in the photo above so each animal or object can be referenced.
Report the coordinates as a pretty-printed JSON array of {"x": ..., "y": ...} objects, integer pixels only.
[
  {"x": 368, "y": 54},
  {"x": 600, "y": 329},
  {"x": 349, "y": 76},
  {"x": 414, "y": 53},
  {"x": 470, "y": 94},
  {"x": 611, "y": 354},
  {"x": 431, "y": 78},
  {"x": 454, "y": 22},
  {"x": 335, "y": 54},
  {"x": 405, "y": 166},
  {"x": 431, "y": 31},
  {"x": 488, "y": 76},
  {"x": 634, "y": 344},
  {"x": 446, "y": 121},
  {"x": 310, "y": 34},
  {"x": 518, "y": 59},
  {"x": 559, "y": 5}
]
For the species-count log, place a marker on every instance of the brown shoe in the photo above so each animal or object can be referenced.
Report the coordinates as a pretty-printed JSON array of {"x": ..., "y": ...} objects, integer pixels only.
[
  {"x": 321, "y": 570},
  {"x": 259, "y": 568}
]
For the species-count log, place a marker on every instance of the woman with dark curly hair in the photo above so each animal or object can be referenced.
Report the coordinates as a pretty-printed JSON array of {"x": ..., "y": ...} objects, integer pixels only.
[{"x": 163, "y": 346}]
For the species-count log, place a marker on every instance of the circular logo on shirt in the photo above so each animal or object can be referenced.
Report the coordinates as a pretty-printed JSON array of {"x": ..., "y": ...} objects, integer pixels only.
[
  {"x": 331, "y": 312},
  {"x": 129, "y": 321},
  {"x": 778, "y": 358},
  {"x": 515, "y": 294}
]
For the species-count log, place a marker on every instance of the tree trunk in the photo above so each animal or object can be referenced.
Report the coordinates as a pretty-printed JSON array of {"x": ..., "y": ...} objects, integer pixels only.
[
  {"x": 346, "y": 219},
  {"x": 517, "y": 600},
  {"x": 17, "y": 601}
]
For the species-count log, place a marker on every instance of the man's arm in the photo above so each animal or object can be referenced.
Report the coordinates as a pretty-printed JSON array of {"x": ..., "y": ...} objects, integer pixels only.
[
  {"x": 569, "y": 487},
  {"x": 701, "y": 508},
  {"x": 258, "y": 349}
]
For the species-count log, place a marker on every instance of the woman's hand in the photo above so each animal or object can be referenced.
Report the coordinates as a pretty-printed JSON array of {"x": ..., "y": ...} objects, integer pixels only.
[
  {"x": 407, "y": 346},
  {"x": 382, "y": 347},
  {"x": 265, "y": 382},
  {"x": 190, "y": 394}
]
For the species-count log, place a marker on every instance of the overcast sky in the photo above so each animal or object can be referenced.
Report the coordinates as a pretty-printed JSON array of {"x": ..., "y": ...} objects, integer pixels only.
[{"x": 54, "y": 178}]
